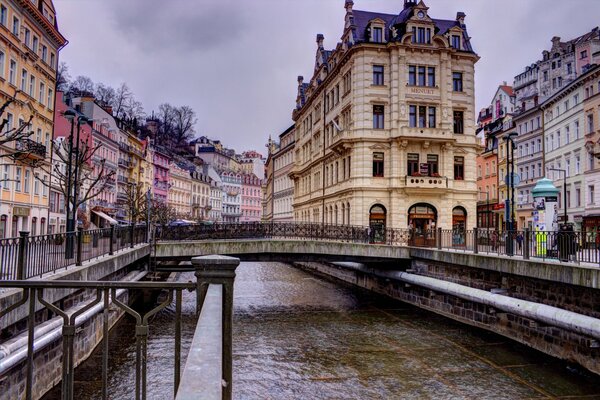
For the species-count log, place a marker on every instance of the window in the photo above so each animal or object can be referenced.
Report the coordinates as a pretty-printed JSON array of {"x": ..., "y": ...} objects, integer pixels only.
[
  {"x": 413, "y": 164},
  {"x": 421, "y": 76},
  {"x": 42, "y": 92},
  {"x": 50, "y": 103},
  {"x": 432, "y": 164},
  {"x": 590, "y": 121},
  {"x": 378, "y": 112},
  {"x": 431, "y": 76},
  {"x": 18, "y": 180},
  {"x": 431, "y": 117},
  {"x": 52, "y": 60},
  {"x": 377, "y": 74},
  {"x": 421, "y": 35},
  {"x": 26, "y": 184},
  {"x": 569, "y": 68},
  {"x": 3, "y": 15},
  {"x": 412, "y": 75},
  {"x": 457, "y": 81},
  {"x": 2, "y": 58},
  {"x": 591, "y": 189},
  {"x": 31, "y": 85},
  {"x": 479, "y": 171},
  {"x": 23, "y": 80},
  {"x": 377, "y": 35},
  {"x": 456, "y": 42},
  {"x": 44, "y": 53},
  {"x": 412, "y": 117},
  {"x": 34, "y": 44},
  {"x": 5, "y": 177},
  {"x": 16, "y": 26},
  {"x": 577, "y": 197},
  {"x": 577, "y": 165},
  {"x": 12, "y": 72},
  {"x": 459, "y": 168},
  {"x": 545, "y": 76},
  {"x": 378, "y": 164},
  {"x": 591, "y": 161},
  {"x": 422, "y": 116},
  {"x": 583, "y": 54},
  {"x": 458, "y": 122},
  {"x": 567, "y": 135}
]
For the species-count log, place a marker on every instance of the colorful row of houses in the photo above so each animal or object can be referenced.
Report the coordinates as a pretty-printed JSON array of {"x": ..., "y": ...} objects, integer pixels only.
[{"x": 552, "y": 113}]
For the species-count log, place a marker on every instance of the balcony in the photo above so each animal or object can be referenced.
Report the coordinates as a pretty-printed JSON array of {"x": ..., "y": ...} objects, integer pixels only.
[
  {"x": 121, "y": 179},
  {"x": 124, "y": 147},
  {"x": 426, "y": 182},
  {"x": 124, "y": 163},
  {"x": 121, "y": 197},
  {"x": 30, "y": 149},
  {"x": 110, "y": 181}
]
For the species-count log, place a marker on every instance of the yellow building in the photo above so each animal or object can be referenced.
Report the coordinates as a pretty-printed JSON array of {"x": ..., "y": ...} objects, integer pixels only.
[
  {"x": 29, "y": 47},
  {"x": 180, "y": 191},
  {"x": 384, "y": 130}
]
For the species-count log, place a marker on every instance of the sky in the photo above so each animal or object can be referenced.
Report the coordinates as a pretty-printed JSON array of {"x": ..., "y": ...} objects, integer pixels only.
[{"x": 236, "y": 62}]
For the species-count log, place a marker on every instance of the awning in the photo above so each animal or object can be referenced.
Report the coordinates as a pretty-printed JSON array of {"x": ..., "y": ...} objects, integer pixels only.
[{"x": 102, "y": 215}]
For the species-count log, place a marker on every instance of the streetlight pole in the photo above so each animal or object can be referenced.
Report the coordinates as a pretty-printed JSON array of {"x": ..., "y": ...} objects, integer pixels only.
[
  {"x": 510, "y": 156},
  {"x": 70, "y": 116},
  {"x": 563, "y": 171}
]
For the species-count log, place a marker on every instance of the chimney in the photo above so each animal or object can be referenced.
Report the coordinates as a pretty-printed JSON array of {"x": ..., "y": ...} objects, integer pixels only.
[
  {"x": 409, "y": 3},
  {"x": 460, "y": 17},
  {"x": 320, "y": 39},
  {"x": 348, "y": 5},
  {"x": 300, "y": 79},
  {"x": 555, "y": 40},
  {"x": 504, "y": 83}
]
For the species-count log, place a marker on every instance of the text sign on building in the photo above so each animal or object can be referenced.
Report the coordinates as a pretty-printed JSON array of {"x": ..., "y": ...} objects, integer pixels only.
[
  {"x": 424, "y": 169},
  {"x": 416, "y": 90},
  {"x": 21, "y": 211}
]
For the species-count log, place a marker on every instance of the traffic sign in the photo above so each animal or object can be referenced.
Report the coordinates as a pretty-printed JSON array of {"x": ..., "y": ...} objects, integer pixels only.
[{"x": 516, "y": 179}]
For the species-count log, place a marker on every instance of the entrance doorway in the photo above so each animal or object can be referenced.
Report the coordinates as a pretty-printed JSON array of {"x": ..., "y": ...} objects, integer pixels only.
[
  {"x": 377, "y": 217},
  {"x": 422, "y": 221},
  {"x": 459, "y": 226}
]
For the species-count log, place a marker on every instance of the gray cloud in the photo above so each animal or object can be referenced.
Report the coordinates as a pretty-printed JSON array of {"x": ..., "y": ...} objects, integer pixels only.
[{"x": 236, "y": 61}]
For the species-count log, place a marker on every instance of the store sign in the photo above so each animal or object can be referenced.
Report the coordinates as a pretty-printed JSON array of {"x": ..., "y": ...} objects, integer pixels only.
[
  {"x": 499, "y": 206},
  {"x": 21, "y": 211},
  {"x": 424, "y": 169}
]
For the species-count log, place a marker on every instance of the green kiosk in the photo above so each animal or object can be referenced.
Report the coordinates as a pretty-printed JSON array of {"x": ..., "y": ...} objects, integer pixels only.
[{"x": 545, "y": 204}]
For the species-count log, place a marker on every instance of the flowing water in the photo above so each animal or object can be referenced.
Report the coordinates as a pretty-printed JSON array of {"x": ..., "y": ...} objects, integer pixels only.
[{"x": 301, "y": 337}]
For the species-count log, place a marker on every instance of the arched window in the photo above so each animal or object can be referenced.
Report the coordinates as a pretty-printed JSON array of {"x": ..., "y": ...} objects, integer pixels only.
[{"x": 377, "y": 223}]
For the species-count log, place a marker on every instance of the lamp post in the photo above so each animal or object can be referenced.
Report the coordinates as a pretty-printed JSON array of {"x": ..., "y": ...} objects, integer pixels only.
[
  {"x": 70, "y": 116},
  {"x": 510, "y": 159},
  {"x": 563, "y": 171}
]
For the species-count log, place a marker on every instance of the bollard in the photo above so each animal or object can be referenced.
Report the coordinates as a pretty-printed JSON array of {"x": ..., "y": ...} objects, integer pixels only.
[
  {"x": 526, "y": 243},
  {"x": 439, "y": 238},
  {"x": 475, "y": 240},
  {"x": 216, "y": 269},
  {"x": 112, "y": 240},
  {"x": 79, "y": 245},
  {"x": 21, "y": 256}
]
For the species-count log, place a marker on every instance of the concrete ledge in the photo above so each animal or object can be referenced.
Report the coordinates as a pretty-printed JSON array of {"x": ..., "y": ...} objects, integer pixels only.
[
  {"x": 567, "y": 273},
  {"x": 94, "y": 270},
  {"x": 278, "y": 249},
  {"x": 201, "y": 378}
]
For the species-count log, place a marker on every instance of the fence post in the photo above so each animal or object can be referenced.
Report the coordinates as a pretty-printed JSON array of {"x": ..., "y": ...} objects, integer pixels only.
[
  {"x": 475, "y": 241},
  {"x": 21, "y": 257},
  {"x": 526, "y": 243},
  {"x": 216, "y": 269},
  {"x": 112, "y": 239},
  {"x": 439, "y": 238},
  {"x": 79, "y": 245},
  {"x": 132, "y": 230}
]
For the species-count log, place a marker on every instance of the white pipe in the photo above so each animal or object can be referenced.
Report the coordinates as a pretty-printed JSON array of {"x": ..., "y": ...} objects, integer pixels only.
[
  {"x": 15, "y": 351},
  {"x": 555, "y": 316}
]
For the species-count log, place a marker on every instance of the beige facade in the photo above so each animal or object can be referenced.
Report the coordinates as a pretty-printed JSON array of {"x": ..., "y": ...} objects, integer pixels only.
[
  {"x": 385, "y": 131},
  {"x": 180, "y": 191}
]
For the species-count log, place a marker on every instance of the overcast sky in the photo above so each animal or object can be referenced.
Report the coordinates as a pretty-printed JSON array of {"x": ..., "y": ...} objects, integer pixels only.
[{"x": 236, "y": 62}]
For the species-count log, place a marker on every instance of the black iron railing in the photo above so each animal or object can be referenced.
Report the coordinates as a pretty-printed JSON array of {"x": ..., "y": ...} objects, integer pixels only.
[{"x": 28, "y": 256}]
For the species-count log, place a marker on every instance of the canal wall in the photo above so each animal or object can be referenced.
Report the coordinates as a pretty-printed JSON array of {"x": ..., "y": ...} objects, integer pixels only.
[
  {"x": 48, "y": 345},
  {"x": 550, "y": 315}
]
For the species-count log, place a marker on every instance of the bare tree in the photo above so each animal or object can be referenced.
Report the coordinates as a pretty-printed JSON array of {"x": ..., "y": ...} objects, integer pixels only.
[
  {"x": 185, "y": 119},
  {"x": 122, "y": 97},
  {"x": 176, "y": 125},
  {"x": 82, "y": 84},
  {"x": 63, "y": 78},
  {"x": 105, "y": 93},
  {"x": 162, "y": 213},
  {"x": 87, "y": 177},
  {"x": 136, "y": 203},
  {"x": 15, "y": 144}
]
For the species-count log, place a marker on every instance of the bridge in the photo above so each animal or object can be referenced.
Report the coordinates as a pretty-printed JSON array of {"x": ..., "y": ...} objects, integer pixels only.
[{"x": 416, "y": 267}]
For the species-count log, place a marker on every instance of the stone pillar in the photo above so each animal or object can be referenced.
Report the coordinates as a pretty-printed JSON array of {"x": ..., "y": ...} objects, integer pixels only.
[{"x": 220, "y": 270}]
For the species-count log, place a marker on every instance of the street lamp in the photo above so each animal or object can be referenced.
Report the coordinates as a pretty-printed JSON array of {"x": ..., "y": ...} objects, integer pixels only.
[
  {"x": 510, "y": 159},
  {"x": 69, "y": 116},
  {"x": 563, "y": 171}
]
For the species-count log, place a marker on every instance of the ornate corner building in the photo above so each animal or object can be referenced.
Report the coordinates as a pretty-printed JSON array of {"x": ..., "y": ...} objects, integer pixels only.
[{"x": 385, "y": 128}]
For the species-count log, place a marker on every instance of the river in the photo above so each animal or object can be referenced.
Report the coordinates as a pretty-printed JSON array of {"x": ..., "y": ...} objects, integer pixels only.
[{"x": 301, "y": 337}]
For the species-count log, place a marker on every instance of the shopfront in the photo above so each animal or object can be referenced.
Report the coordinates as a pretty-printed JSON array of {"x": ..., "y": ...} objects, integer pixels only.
[
  {"x": 459, "y": 226},
  {"x": 422, "y": 221},
  {"x": 377, "y": 219},
  {"x": 590, "y": 224}
]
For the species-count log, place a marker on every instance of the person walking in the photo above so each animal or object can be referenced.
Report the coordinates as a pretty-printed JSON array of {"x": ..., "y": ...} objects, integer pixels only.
[{"x": 520, "y": 241}]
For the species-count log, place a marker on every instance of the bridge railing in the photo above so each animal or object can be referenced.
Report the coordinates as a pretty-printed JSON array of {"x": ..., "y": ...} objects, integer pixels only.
[
  {"x": 28, "y": 256},
  {"x": 103, "y": 299}
]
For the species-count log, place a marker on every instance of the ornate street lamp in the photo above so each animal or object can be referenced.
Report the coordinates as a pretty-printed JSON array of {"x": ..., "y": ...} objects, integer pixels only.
[{"x": 510, "y": 181}]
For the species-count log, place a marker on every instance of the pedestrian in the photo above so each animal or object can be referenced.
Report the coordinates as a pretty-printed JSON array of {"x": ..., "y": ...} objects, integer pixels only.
[
  {"x": 520, "y": 240},
  {"x": 495, "y": 240},
  {"x": 368, "y": 232}
]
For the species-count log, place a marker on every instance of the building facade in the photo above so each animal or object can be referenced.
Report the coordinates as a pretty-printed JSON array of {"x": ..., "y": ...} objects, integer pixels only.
[
  {"x": 251, "y": 198},
  {"x": 30, "y": 46},
  {"x": 232, "y": 199},
  {"x": 384, "y": 130},
  {"x": 283, "y": 185}
]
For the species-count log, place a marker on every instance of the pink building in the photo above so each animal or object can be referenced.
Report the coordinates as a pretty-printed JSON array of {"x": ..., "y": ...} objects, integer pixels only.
[
  {"x": 161, "y": 162},
  {"x": 251, "y": 198}
]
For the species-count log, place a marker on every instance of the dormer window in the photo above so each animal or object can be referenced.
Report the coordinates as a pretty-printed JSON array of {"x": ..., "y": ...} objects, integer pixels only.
[
  {"x": 456, "y": 42},
  {"x": 421, "y": 35},
  {"x": 377, "y": 36}
]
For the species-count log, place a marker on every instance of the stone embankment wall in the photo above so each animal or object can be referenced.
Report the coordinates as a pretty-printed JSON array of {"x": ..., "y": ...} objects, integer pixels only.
[{"x": 558, "y": 342}]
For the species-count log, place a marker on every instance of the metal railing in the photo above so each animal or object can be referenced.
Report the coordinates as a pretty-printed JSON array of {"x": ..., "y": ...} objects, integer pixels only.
[
  {"x": 104, "y": 298},
  {"x": 28, "y": 256},
  {"x": 546, "y": 245}
]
